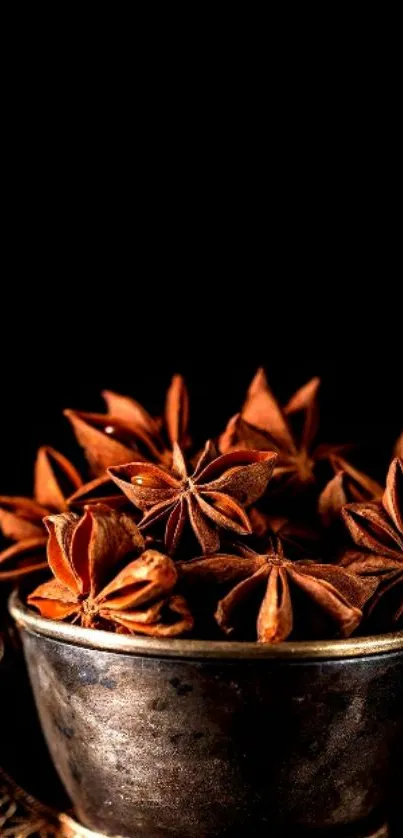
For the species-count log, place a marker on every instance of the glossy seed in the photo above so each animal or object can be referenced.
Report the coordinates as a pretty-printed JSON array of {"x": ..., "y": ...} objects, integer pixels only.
[{"x": 148, "y": 481}]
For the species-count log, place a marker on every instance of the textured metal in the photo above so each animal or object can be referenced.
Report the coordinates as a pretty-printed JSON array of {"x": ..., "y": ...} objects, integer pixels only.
[
  {"x": 22, "y": 816},
  {"x": 157, "y": 647},
  {"x": 188, "y": 747}
]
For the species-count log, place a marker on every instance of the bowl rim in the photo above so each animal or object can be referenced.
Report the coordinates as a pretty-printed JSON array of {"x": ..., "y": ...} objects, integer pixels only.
[{"x": 200, "y": 649}]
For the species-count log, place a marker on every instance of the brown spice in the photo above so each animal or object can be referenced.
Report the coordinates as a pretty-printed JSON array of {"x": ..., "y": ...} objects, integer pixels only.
[
  {"x": 377, "y": 530},
  {"x": 265, "y": 425},
  {"x": 21, "y": 519},
  {"x": 213, "y": 498},
  {"x": 82, "y": 553},
  {"x": 347, "y": 486},
  {"x": 128, "y": 430},
  {"x": 265, "y": 590}
]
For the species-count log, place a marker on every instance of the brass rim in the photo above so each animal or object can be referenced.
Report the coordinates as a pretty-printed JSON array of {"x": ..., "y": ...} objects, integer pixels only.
[{"x": 188, "y": 648}]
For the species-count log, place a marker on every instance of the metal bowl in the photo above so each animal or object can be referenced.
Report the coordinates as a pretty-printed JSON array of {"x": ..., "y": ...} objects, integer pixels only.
[{"x": 155, "y": 738}]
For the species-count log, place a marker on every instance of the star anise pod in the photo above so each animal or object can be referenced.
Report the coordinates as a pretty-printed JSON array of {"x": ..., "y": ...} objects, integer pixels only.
[
  {"x": 265, "y": 425},
  {"x": 211, "y": 499},
  {"x": 377, "y": 530},
  {"x": 301, "y": 535},
  {"x": 270, "y": 598},
  {"x": 128, "y": 430},
  {"x": 348, "y": 485},
  {"x": 82, "y": 553},
  {"x": 174, "y": 424},
  {"x": 398, "y": 451},
  {"x": 21, "y": 519},
  {"x": 100, "y": 490}
]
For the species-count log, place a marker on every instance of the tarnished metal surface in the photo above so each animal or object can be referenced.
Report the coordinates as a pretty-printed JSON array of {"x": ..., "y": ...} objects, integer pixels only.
[
  {"x": 199, "y": 649},
  {"x": 184, "y": 748},
  {"x": 200, "y": 745},
  {"x": 22, "y": 816}
]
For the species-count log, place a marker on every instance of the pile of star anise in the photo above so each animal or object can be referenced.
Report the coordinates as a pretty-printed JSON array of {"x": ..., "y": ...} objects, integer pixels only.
[{"x": 260, "y": 535}]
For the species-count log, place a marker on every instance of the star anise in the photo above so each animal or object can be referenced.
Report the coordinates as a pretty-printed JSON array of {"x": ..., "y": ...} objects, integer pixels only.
[
  {"x": 377, "y": 530},
  {"x": 398, "y": 451},
  {"x": 265, "y": 425},
  {"x": 82, "y": 553},
  {"x": 21, "y": 519},
  {"x": 174, "y": 424},
  {"x": 301, "y": 535},
  {"x": 211, "y": 499},
  {"x": 347, "y": 486},
  {"x": 269, "y": 598},
  {"x": 100, "y": 490},
  {"x": 128, "y": 430}
]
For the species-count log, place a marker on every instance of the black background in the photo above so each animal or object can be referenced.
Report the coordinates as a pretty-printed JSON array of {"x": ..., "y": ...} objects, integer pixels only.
[
  {"x": 64, "y": 339},
  {"x": 149, "y": 231},
  {"x": 131, "y": 254},
  {"x": 123, "y": 264}
]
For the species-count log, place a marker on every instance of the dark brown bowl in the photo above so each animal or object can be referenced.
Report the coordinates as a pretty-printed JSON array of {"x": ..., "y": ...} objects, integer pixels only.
[{"x": 191, "y": 739}]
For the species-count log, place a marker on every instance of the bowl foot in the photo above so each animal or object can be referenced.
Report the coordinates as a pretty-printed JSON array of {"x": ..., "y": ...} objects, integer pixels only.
[
  {"x": 383, "y": 832},
  {"x": 20, "y": 813},
  {"x": 72, "y": 829}
]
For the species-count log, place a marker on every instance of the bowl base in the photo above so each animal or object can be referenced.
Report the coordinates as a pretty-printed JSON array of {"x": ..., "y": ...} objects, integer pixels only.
[
  {"x": 72, "y": 829},
  {"x": 383, "y": 832},
  {"x": 20, "y": 813}
]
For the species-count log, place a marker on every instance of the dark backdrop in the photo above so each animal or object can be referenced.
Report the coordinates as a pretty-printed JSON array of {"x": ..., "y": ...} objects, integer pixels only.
[
  {"x": 63, "y": 343},
  {"x": 197, "y": 240}
]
